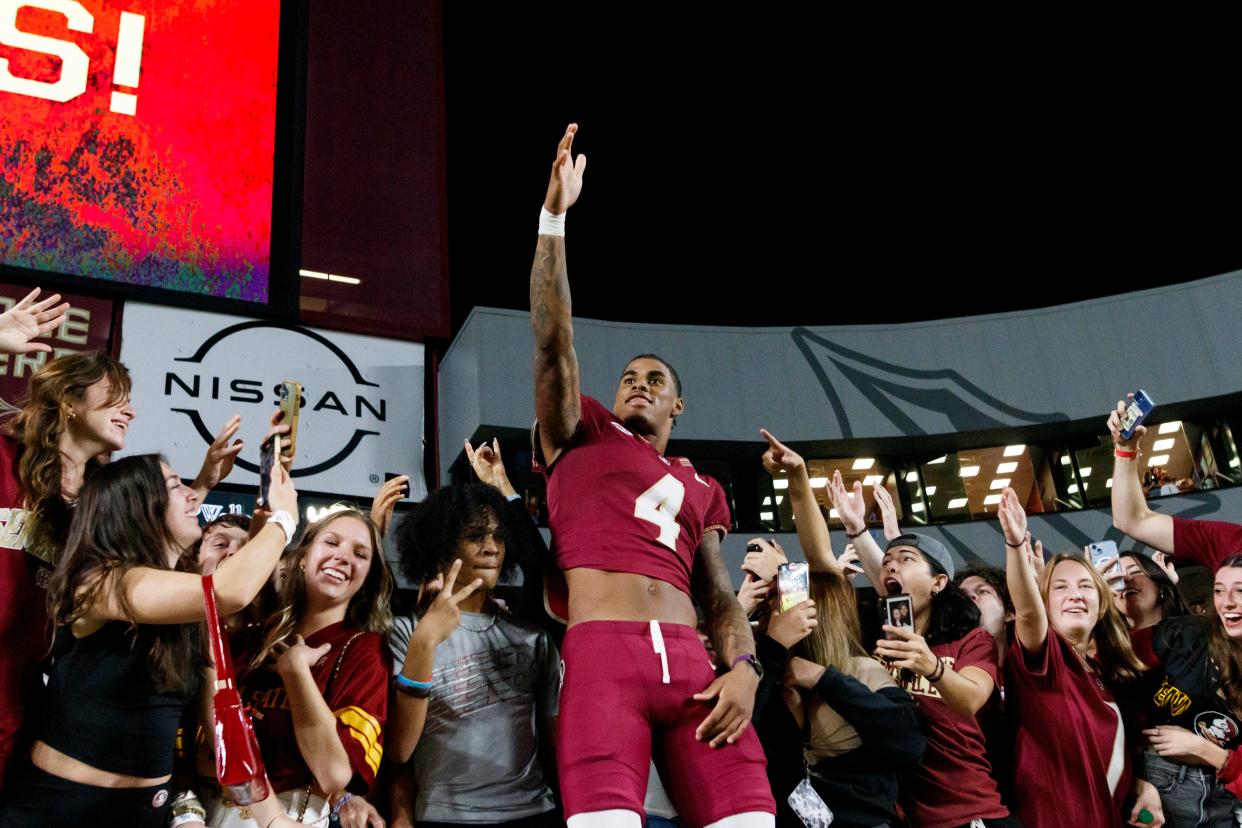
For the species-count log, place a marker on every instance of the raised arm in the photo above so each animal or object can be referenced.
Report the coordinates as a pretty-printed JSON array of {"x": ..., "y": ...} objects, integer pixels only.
[
  {"x": 557, "y": 404},
  {"x": 314, "y": 726},
  {"x": 729, "y": 631},
  {"x": 159, "y": 596},
  {"x": 809, "y": 520},
  {"x": 852, "y": 510},
  {"x": 1130, "y": 512},
  {"x": 27, "y": 320},
  {"x": 1031, "y": 621},
  {"x": 409, "y": 712}
]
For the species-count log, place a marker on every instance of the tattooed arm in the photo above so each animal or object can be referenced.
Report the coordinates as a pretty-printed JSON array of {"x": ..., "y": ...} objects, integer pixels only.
[
  {"x": 557, "y": 404},
  {"x": 729, "y": 631}
]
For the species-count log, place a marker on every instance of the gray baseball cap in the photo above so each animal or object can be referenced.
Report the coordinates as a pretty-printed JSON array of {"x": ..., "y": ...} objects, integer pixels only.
[{"x": 931, "y": 548}]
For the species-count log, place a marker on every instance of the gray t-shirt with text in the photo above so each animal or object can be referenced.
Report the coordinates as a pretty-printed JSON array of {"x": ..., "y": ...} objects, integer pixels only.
[{"x": 476, "y": 760}]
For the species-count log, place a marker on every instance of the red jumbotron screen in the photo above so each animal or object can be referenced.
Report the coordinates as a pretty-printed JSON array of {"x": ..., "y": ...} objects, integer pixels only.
[{"x": 137, "y": 141}]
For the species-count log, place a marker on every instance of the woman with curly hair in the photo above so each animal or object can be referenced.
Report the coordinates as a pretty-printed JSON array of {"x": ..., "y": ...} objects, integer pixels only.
[
  {"x": 1070, "y": 660},
  {"x": 319, "y": 715},
  {"x": 478, "y": 687}
]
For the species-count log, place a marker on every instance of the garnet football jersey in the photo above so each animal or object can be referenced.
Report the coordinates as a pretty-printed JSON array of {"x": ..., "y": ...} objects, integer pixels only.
[{"x": 617, "y": 504}]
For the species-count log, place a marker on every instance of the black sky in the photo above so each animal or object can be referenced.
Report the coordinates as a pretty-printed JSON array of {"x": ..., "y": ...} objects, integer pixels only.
[{"x": 766, "y": 170}]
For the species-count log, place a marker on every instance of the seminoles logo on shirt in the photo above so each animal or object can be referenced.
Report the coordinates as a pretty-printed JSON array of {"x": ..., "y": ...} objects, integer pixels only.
[
  {"x": 915, "y": 684},
  {"x": 1216, "y": 727}
]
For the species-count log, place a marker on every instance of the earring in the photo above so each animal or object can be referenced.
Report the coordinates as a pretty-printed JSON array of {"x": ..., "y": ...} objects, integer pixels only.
[{"x": 302, "y": 567}]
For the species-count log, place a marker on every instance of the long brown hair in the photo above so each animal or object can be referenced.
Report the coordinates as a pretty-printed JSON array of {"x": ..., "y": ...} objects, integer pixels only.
[
  {"x": 38, "y": 426},
  {"x": 838, "y": 636},
  {"x": 121, "y": 524},
  {"x": 1118, "y": 665},
  {"x": 368, "y": 609},
  {"x": 1225, "y": 651}
]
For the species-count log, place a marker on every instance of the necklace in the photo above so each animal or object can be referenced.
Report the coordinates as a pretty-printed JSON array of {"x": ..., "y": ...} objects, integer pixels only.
[{"x": 490, "y": 623}]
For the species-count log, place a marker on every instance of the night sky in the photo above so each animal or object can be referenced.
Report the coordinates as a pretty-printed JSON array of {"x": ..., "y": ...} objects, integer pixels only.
[{"x": 768, "y": 170}]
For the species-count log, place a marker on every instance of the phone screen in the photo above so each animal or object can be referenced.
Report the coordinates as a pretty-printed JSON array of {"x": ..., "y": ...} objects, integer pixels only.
[{"x": 793, "y": 584}]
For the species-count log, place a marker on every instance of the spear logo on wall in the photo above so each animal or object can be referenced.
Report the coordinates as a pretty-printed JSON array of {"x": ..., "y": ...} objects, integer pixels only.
[{"x": 915, "y": 401}]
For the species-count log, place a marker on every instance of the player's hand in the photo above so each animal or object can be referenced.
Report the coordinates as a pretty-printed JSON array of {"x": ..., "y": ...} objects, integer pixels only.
[
  {"x": 565, "y": 184},
  {"x": 27, "y": 320},
  {"x": 734, "y": 693}
]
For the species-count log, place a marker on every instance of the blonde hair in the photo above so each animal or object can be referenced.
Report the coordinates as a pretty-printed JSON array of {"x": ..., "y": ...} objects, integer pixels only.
[
  {"x": 1118, "y": 665},
  {"x": 369, "y": 608},
  {"x": 837, "y": 637}
]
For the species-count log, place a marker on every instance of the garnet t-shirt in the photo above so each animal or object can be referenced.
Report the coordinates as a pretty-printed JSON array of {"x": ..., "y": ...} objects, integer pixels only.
[
  {"x": 953, "y": 784},
  {"x": 1071, "y": 763},
  {"x": 1206, "y": 542}
]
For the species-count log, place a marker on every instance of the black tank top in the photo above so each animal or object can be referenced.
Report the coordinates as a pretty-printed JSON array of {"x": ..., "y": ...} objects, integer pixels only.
[{"x": 103, "y": 707}]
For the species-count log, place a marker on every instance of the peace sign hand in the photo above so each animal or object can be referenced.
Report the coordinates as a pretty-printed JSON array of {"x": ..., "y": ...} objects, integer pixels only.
[{"x": 442, "y": 617}]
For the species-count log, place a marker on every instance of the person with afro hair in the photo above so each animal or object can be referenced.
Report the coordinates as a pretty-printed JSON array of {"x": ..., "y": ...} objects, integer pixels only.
[{"x": 478, "y": 687}]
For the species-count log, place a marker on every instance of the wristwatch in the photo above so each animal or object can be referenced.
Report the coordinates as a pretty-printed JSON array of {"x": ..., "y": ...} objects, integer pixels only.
[
  {"x": 285, "y": 521},
  {"x": 752, "y": 661}
]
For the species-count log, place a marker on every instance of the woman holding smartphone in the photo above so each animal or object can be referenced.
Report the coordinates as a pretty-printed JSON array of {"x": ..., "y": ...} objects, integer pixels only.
[
  {"x": 317, "y": 673},
  {"x": 129, "y": 649},
  {"x": 946, "y": 661},
  {"x": 820, "y": 688},
  {"x": 1070, "y": 660}
]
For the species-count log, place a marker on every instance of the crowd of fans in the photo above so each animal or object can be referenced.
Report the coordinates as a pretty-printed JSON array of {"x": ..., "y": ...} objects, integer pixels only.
[{"x": 1040, "y": 694}]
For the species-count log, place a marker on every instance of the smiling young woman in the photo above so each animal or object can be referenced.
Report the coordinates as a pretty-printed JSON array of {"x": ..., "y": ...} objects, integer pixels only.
[{"x": 320, "y": 714}]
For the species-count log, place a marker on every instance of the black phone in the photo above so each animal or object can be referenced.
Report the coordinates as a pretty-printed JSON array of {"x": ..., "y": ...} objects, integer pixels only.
[
  {"x": 267, "y": 457},
  {"x": 406, "y": 488}
]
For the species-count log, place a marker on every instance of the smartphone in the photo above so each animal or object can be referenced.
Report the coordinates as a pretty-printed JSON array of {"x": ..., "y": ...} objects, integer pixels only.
[
  {"x": 1136, "y": 412},
  {"x": 267, "y": 458},
  {"x": 1100, "y": 551},
  {"x": 290, "y": 393},
  {"x": 898, "y": 610},
  {"x": 793, "y": 584},
  {"x": 390, "y": 475}
]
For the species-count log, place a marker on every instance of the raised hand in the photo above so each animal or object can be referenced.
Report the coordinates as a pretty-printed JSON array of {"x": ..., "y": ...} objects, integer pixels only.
[
  {"x": 906, "y": 648},
  {"x": 27, "y": 320},
  {"x": 850, "y": 506},
  {"x": 794, "y": 624},
  {"x": 1012, "y": 518},
  {"x": 764, "y": 563},
  {"x": 386, "y": 500},
  {"x": 489, "y": 466},
  {"x": 281, "y": 494},
  {"x": 1114, "y": 426},
  {"x": 220, "y": 456},
  {"x": 753, "y": 593},
  {"x": 849, "y": 561},
  {"x": 888, "y": 512},
  {"x": 565, "y": 184},
  {"x": 779, "y": 457},
  {"x": 442, "y": 617}
]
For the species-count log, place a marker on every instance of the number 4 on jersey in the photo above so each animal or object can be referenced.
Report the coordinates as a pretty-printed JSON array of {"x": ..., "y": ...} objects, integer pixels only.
[{"x": 660, "y": 505}]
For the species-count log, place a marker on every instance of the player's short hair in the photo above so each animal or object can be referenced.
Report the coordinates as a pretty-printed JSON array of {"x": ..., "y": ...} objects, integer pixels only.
[{"x": 672, "y": 371}]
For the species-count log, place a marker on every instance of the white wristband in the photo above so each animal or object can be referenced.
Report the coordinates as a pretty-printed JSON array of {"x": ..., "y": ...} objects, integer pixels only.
[{"x": 551, "y": 224}]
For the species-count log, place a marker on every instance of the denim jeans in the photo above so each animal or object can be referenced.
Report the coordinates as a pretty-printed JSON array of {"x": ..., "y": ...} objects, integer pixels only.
[{"x": 1190, "y": 794}]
